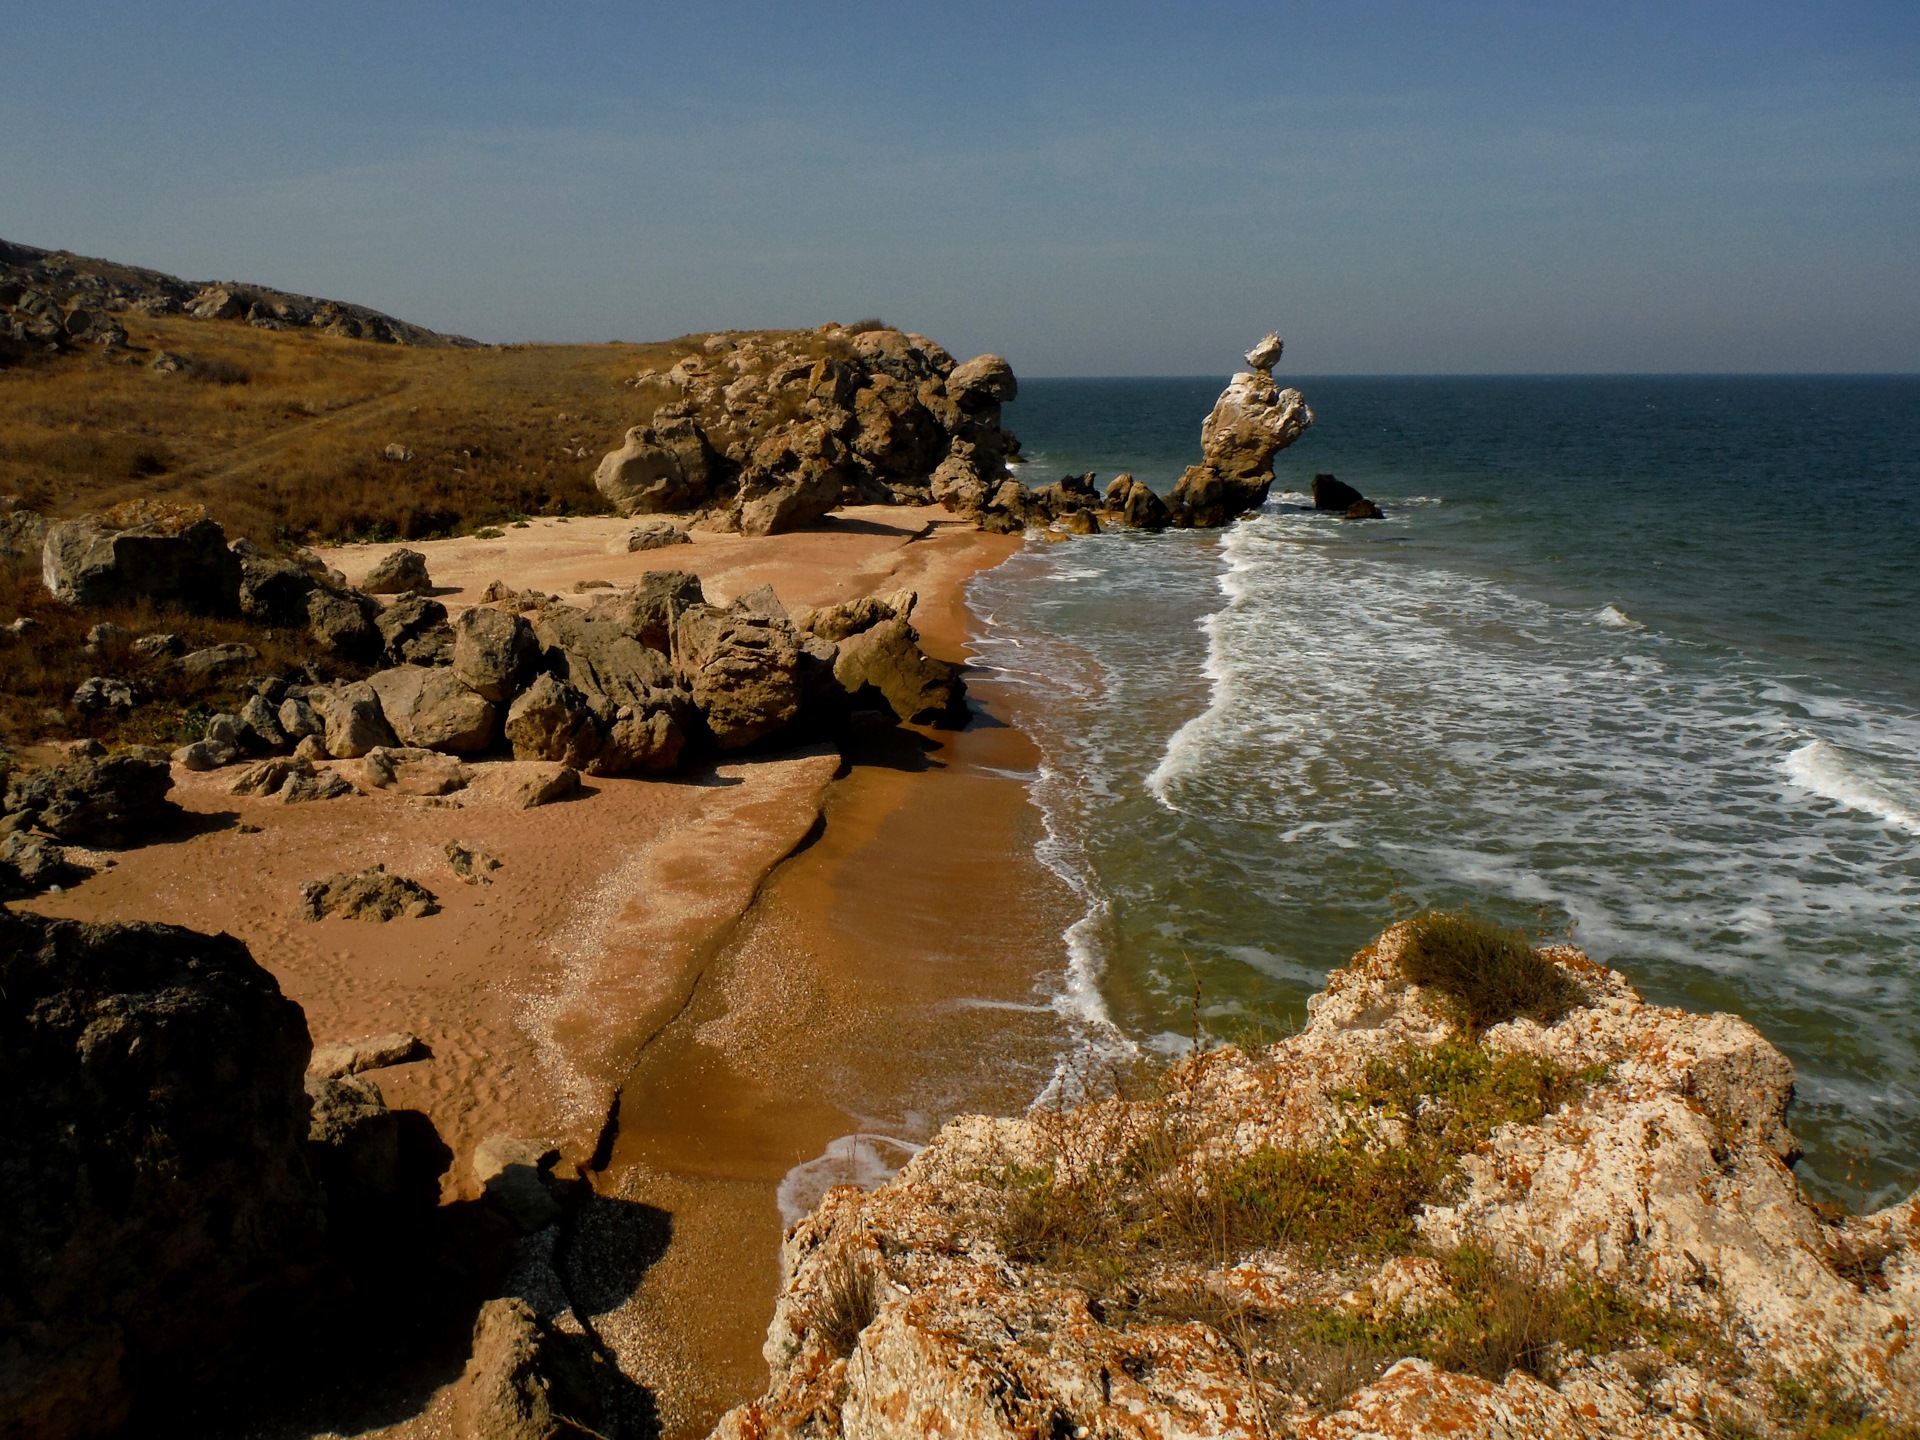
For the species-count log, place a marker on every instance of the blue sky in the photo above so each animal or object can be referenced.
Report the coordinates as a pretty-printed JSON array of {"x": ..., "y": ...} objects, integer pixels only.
[{"x": 1087, "y": 189}]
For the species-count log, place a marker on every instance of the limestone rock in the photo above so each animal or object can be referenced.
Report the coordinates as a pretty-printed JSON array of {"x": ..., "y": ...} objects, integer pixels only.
[
  {"x": 260, "y": 725},
  {"x": 30, "y": 864},
  {"x": 268, "y": 777},
  {"x": 654, "y": 535},
  {"x": 493, "y": 653},
  {"x": 525, "y": 1381},
  {"x": 1137, "y": 505},
  {"x": 273, "y": 589},
  {"x": 114, "y": 801},
  {"x": 143, "y": 552},
  {"x": 414, "y": 631},
  {"x": 1365, "y": 510},
  {"x": 551, "y": 721},
  {"x": 408, "y": 770},
  {"x": 985, "y": 379},
  {"x": 795, "y": 477},
  {"x": 23, "y": 538},
  {"x": 398, "y": 572},
  {"x": 471, "y": 864},
  {"x": 153, "y": 1143},
  {"x": 353, "y": 1144},
  {"x": 370, "y": 894},
  {"x": 1332, "y": 494},
  {"x": 306, "y": 785},
  {"x": 524, "y": 784},
  {"x": 298, "y": 719},
  {"x": 963, "y": 482},
  {"x": 886, "y": 660},
  {"x": 354, "y": 720},
  {"x": 374, "y": 1052},
  {"x": 344, "y": 624},
  {"x": 99, "y": 692},
  {"x": 653, "y": 607},
  {"x": 664, "y": 466},
  {"x": 511, "y": 1173},
  {"x": 1251, "y": 422},
  {"x": 742, "y": 669},
  {"x": 1266, "y": 354},
  {"x": 213, "y": 660},
  {"x": 1205, "y": 497},
  {"x": 835, "y": 623},
  {"x": 430, "y": 709}
]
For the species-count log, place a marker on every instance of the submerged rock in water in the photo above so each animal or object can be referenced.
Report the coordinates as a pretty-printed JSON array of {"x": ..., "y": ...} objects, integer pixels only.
[{"x": 1612, "y": 1177}]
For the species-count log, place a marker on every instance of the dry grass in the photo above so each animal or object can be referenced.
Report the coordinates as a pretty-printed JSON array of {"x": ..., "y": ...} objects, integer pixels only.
[
  {"x": 282, "y": 434},
  {"x": 1488, "y": 974},
  {"x": 847, "y": 1304}
]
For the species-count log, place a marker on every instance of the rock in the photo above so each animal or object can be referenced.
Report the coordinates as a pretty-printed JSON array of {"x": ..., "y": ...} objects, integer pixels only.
[
  {"x": 1251, "y": 422},
  {"x": 153, "y": 1146},
  {"x": 1649, "y": 1178},
  {"x": 414, "y": 631},
  {"x": 216, "y": 659},
  {"x": 1137, "y": 505},
  {"x": 834, "y": 623},
  {"x": 273, "y": 589},
  {"x": 115, "y": 801},
  {"x": 30, "y": 864},
  {"x": 312, "y": 748},
  {"x": 1365, "y": 510},
  {"x": 109, "y": 641},
  {"x": 654, "y": 535},
  {"x": 963, "y": 483},
  {"x": 409, "y": 771},
  {"x": 23, "y": 538},
  {"x": 267, "y": 777},
  {"x": 375, "y": 1052},
  {"x": 551, "y": 721},
  {"x": 524, "y": 784},
  {"x": 493, "y": 653},
  {"x": 431, "y": 710},
  {"x": 353, "y": 1144},
  {"x": 354, "y": 720},
  {"x": 1078, "y": 522},
  {"x": 1266, "y": 354},
  {"x": 653, "y": 607},
  {"x": 886, "y": 660},
  {"x": 664, "y": 466},
  {"x": 984, "y": 380},
  {"x": 344, "y": 624},
  {"x": 795, "y": 477},
  {"x": 158, "y": 647},
  {"x": 1204, "y": 497},
  {"x": 260, "y": 724},
  {"x": 370, "y": 894},
  {"x": 585, "y": 587},
  {"x": 97, "y": 693},
  {"x": 398, "y": 572},
  {"x": 510, "y": 1172},
  {"x": 200, "y": 756},
  {"x": 1332, "y": 494},
  {"x": 395, "y": 451},
  {"x": 471, "y": 864},
  {"x": 297, "y": 719},
  {"x": 743, "y": 671},
  {"x": 143, "y": 551},
  {"x": 525, "y": 1380},
  {"x": 322, "y": 785}
]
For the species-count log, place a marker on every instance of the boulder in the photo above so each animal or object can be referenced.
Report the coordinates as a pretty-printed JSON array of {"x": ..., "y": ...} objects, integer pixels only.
[
  {"x": 114, "y": 801},
  {"x": 305, "y": 785},
  {"x": 1365, "y": 510},
  {"x": 30, "y": 864},
  {"x": 215, "y": 660},
  {"x": 885, "y": 661},
  {"x": 298, "y": 719},
  {"x": 493, "y": 653},
  {"x": 472, "y": 865},
  {"x": 1078, "y": 522},
  {"x": 1332, "y": 494},
  {"x": 398, "y": 572},
  {"x": 375, "y": 1052},
  {"x": 260, "y": 725},
  {"x": 354, "y": 720},
  {"x": 430, "y": 709},
  {"x": 963, "y": 482},
  {"x": 353, "y": 1144},
  {"x": 370, "y": 894},
  {"x": 158, "y": 647},
  {"x": 98, "y": 693},
  {"x": 511, "y": 1173},
  {"x": 153, "y": 1144},
  {"x": 654, "y": 535},
  {"x": 895, "y": 435},
  {"x": 273, "y": 588},
  {"x": 668, "y": 465},
  {"x": 268, "y": 777},
  {"x": 344, "y": 624},
  {"x": 23, "y": 539},
  {"x": 408, "y": 771},
  {"x": 1136, "y": 504},
  {"x": 526, "y": 1380},
  {"x": 650, "y": 610},
  {"x": 1251, "y": 422},
  {"x": 551, "y": 721},
  {"x": 143, "y": 552},
  {"x": 523, "y": 784},
  {"x": 794, "y": 478},
  {"x": 983, "y": 380},
  {"x": 834, "y": 623},
  {"x": 1266, "y": 354},
  {"x": 414, "y": 631},
  {"x": 1205, "y": 497},
  {"x": 743, "y": 671}
]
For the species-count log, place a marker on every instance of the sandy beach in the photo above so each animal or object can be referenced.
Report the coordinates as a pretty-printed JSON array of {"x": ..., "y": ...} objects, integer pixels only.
[{"x": 758, "y": 962}]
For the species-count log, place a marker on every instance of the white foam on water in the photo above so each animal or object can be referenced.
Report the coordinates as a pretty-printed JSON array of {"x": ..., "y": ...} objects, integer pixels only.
[
  {"x": 865, "y": 1159},
  {"x": 1614, "y": 618},
  {"x": 1851, "y": 780}
]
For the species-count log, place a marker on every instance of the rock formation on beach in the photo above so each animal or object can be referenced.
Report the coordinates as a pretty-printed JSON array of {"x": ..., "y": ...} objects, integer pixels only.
[{"x": 1409, "y": 1219}]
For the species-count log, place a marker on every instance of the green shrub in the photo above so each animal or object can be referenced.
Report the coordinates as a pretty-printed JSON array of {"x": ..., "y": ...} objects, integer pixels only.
[{"x": 1486, "y": 973}]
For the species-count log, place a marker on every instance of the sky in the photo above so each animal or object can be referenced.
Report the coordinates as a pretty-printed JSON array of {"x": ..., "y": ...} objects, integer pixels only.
[{"x": 1087, "y": 189}]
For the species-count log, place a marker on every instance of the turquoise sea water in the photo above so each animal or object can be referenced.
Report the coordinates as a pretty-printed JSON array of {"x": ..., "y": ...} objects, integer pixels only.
[{"x": 1635, "y": 657}]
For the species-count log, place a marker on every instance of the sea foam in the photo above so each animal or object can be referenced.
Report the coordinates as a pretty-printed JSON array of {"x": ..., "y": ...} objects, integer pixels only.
[{"x": 1852, "y": 780}]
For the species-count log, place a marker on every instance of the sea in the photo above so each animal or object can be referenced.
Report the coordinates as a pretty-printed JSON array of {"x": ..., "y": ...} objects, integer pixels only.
[{"x": 1634, "y": 660}]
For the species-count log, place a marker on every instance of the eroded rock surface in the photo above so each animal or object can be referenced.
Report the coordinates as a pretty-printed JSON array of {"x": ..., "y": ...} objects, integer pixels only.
[{"x": 1648, "y": 1194}]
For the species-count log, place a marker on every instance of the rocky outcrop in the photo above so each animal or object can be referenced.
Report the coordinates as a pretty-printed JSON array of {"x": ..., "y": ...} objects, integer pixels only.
[
  {"x": 743, "y": 670},
  {"x": 551, "y": 721},
  {"x": 113, "y": 800},
  {"x": 153, "y": 1144},
  {"x": 430, "y": 709},
  {"x": 1388, "y": 1225},
  {"x": 884, "y": 660},
  {"x": 494, "y": 653},
  {"x": 143, "y": 551},
  {"x": 370, "y": 894},
  {"x": 55, "y": 298},
  {"x": 525, "y": 1380},
  {"x": 1251, "y": 422},
  {"x": 769, "y": 432}
]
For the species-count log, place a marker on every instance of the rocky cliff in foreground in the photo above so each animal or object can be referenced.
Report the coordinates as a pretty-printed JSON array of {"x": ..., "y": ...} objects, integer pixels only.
[{"x": 1419, "y": 1216}]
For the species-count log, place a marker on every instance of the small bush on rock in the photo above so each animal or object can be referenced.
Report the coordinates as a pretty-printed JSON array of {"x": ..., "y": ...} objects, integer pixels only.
[{"x": 1488, "y": 974}]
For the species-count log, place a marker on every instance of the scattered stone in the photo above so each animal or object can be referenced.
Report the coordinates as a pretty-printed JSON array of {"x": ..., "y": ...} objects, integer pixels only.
[
  {"x": 247, "y": 827},
  {"x": 526, "y": 1380},
  {"x": 312, "y": 748},
  {"x": 215, "y": 659},
  {"x": 396, "y": 451},
  {"x": 344, "y": 623},
  {"x": 354, "y": 722},
  {"x": 159, "y": 646},
  {"x": 260, "y": 725},
  {"x": 414, "y": 631},
  {"x": 471, "y": 864},
  {"x": 273, "y": 588},
  {"x": 267, "y": 777},
  {"x": 353, "y": 1143},
  {"x": 113, "y": 802},
  {"x": 108, "y": 641},
  {"x": 370, "y": 894},
  {"x": 493, "y": 653},
  {"x": 30, "y": 864},
  {"x": 524, "y": 784},
  {"x": 143, "y": 551},
  {"x": 885, "y": 660},
  {"x": 552, "y": 721},
  {"x": 376, "y": 1052},
  {"x": 654, "y": 535},
  {"x": 321, "y": 785},
  {"x": 399, "y": 572},
  {"x": 410, "y": 771},
  {"x": 431, "y": 710},
  {"x": 297, "y": 719},
  {"x": 510, "y": 1172},
  {"x": 1365, "y": 510},
  {"x": 97, "y": 693}
]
